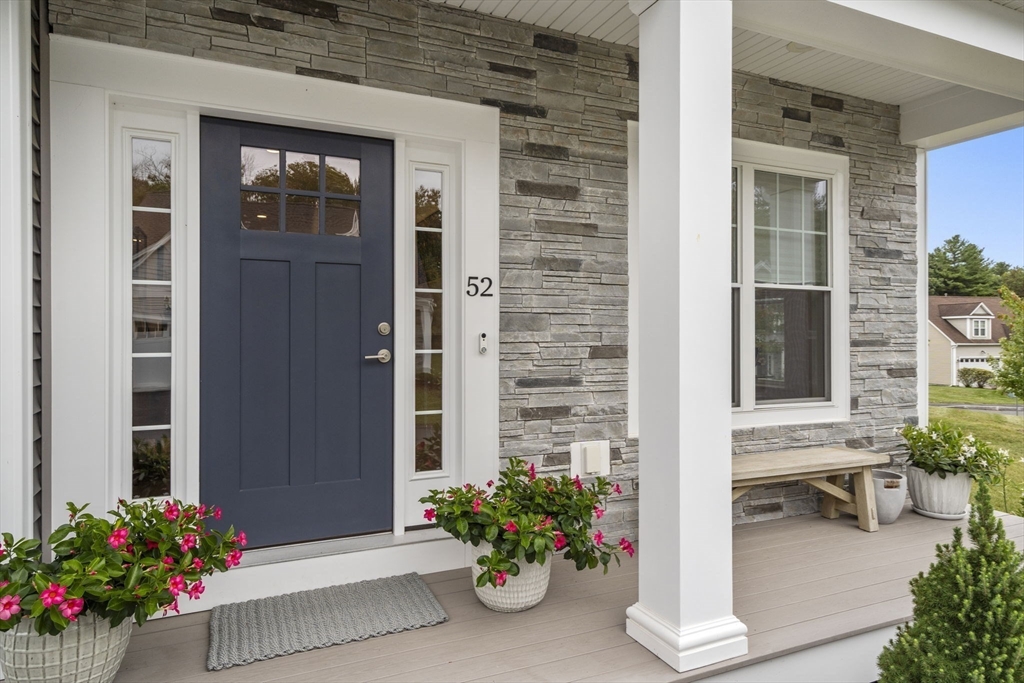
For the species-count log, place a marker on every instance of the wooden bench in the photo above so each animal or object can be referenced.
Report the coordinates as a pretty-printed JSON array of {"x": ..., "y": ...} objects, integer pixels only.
[{"x": 823, "y": 468}]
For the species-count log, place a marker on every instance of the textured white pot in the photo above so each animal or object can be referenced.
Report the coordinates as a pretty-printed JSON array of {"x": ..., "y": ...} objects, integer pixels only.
[
  {"x": 890, "y": 494},
  {"x": 934, "y": 496},
  {"x": 519, "y": 592},
  {"x": 87, "y": 651}
]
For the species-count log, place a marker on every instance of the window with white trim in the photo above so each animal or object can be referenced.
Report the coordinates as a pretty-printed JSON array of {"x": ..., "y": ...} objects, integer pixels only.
[
  {"x": 789, "y": 331},
  {"x": 980, "y": 328},
  {"x": 428, "y": 219},
  {"x": 152, "y": 231}
]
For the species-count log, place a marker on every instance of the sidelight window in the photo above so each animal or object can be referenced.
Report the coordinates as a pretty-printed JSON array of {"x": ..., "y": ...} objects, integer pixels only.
[
  {"x": 151, "y": 237},
  {"x": 429, "y": 322}
]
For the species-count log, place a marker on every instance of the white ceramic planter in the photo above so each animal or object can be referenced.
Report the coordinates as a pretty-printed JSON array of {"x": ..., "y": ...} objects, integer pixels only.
[
  {"x": 890, "y": 494},
  {"x": 936, "y": 497},
  {"x": 519, "y": 592},
  {"x": 87, "y": 651}
]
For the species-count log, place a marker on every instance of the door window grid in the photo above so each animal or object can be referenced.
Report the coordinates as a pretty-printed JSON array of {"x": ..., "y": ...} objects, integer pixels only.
[
  {"x": 429, "y": 328},
  {"x": 152, "y": 308},
  {"x": 299, "y": 192}
]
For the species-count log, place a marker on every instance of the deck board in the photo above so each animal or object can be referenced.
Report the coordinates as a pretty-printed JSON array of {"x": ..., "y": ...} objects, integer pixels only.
[{"x": 798, "y": 582}]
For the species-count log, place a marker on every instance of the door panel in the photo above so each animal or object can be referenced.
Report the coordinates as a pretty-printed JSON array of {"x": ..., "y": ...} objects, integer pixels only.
[{"x": 297, "y": 272}]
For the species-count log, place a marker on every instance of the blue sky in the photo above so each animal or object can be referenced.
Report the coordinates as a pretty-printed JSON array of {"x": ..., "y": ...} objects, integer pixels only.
[{"x": 976, "y": 189}]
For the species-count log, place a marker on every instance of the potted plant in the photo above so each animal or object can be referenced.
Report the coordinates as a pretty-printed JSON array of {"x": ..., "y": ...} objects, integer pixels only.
[
  {"x": 518, "y": 525},
  {"x": 968, "y": 610},
  {"x": 943, "y": 461},
  {"x": 69, "y": 619}
]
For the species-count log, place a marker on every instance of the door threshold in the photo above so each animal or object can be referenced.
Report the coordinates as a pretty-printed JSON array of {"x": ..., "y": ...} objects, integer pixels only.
[{"x": 340, "y": 546}]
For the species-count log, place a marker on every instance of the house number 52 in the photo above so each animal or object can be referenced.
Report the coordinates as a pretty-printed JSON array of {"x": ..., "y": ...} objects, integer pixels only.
[{"x": 479, "y": 286}]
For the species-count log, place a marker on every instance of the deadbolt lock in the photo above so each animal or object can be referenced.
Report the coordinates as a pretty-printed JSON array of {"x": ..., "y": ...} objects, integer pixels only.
[{"x": 384, "y": 329}]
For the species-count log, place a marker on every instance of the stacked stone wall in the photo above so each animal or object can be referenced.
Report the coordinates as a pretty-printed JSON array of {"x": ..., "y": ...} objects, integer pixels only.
[
  {"x": 565, "y": 102},
  {"x": 883, "y": 271}
]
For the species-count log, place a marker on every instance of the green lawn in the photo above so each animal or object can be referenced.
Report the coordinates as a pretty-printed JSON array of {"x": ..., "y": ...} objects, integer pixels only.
[
  {"x": 1002, "y": 431},
  {"x": 962, "y": 395}
]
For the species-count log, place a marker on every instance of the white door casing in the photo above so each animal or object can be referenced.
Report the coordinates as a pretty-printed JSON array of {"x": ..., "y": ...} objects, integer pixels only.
[{"x": 99, "y": 92}]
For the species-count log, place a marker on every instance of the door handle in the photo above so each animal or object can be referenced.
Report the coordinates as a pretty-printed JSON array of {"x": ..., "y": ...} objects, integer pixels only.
[{"x": 383, "y": 356}]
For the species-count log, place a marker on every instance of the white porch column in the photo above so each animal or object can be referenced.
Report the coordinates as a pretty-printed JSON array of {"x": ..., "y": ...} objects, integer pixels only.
[
  {"x": 685, "y": 610},
  {"x": 15, "y": 268}
]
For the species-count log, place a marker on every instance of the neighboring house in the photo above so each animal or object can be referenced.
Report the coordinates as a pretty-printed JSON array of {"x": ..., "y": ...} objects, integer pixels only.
[
  {"x": 963, "y": 332},
  {"x": 449, "y": 218}
]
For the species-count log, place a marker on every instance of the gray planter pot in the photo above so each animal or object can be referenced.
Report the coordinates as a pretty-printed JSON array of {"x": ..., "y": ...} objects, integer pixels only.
[
  {"x": 87, "y": 651},
  {"x": 890, "y": 494},
  {"x": 936, "y": 497}
]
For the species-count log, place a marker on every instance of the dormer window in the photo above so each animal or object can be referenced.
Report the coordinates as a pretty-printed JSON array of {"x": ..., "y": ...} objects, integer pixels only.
[{"x": 980, "y": 329}]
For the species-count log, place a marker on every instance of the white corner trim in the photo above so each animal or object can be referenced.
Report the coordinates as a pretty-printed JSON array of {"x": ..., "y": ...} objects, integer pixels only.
[
  {"x": 16, "y": 434},
  {"x": 941, "y": 332},
  {"x": 923, "y": 368},
  {"x": 633, "y": 270},
  {"x": 690, "y": 648}
]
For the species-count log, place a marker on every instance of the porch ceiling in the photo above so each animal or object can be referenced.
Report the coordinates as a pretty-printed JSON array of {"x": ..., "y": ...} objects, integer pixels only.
[{"x": 774, "y": 57}]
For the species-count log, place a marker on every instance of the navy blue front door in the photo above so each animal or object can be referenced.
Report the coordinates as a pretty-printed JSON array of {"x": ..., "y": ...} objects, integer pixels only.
[{"x": 297, "y": 275}]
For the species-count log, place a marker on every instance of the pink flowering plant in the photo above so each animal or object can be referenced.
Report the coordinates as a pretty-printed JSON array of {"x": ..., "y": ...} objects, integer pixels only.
[
  {"x": 142, "y": 558},
  {"x": 525, "y": 518}
]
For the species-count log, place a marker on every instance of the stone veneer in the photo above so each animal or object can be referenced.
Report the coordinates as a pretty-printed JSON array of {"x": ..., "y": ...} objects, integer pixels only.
[
  {"x": 883, "y": 270},
  {"x": 565, "y": 101}
]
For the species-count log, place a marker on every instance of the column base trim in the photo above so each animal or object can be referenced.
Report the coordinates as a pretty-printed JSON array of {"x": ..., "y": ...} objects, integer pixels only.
[{"x": 689, "y": 648}]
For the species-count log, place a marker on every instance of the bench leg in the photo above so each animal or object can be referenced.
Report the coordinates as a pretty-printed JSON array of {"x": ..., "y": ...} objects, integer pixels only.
[
  {"x": 864, "y": 488},
  {"x": 829, "y": 509}
]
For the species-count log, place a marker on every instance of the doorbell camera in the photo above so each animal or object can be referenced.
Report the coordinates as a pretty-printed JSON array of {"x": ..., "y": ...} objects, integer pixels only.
[{"x": 483, "y": 342}]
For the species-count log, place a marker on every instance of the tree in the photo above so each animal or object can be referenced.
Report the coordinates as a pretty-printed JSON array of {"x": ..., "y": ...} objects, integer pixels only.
[
  {"x": 960, "y": 268},
  {"x": 1000, "y": 267},
  {"x": 968, "y": 611},
  {"x": 1009, "y": 369},
  {"x": 1013, "y": 279}
]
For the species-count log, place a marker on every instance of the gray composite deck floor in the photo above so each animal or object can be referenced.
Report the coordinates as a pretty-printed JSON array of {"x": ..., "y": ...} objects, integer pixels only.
[{"x": 798, "y": 582}]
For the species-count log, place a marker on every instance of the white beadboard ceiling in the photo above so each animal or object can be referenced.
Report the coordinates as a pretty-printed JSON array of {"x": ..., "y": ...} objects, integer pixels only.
[
  {"x": 757, "y": 53},
  {"x": 769, "y": 56}
]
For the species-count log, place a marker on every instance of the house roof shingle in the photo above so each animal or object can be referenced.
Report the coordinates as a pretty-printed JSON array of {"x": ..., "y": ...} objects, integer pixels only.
[{"x": 940, "y": 307}]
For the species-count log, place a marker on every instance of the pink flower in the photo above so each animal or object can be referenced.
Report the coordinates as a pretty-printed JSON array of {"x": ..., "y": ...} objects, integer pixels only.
[
  {"x": 490, "y": 483},
  {"x": 118, "y": 537},
  {"x": 217, "y": 513},
  {"x": 511, "y": 526},
  {"x": 151, "y": 545},
  {"x": 468, "y": 487},
  {"x": 617, "y": 489},
  {"x": 546, "y": 522},
  {"x": 195, "y": 590},
  {"x": 476, "y": 506},
  {"x": 173, "y": 607},
  {"x": 577, "y": 483},
  {"x": 500, "y": 578},
  {"x": 168, "y": 561},
  {"x": 233, "y": 559},
  {"x": 176, "y": 584},
  {"x": 598, "y": 512},
  {"x": 71, "y": 607},
  {"x": 9, "y": 606},
  {"x": 54, "y": 595},
  {"x": 532, "y": 469},
  {"x": 560, "y": 541},
  {"x": 188, "y": 542},
  {"x": 4, "y": 583},
  {"x": 201, "y": 510},
  {"x": 242, "y": 540},
  {"x": 627, "y": 547},
  {"x": 171, "y": 511},
  {"x": 2, "y": 551},
  {"x": 197, "y": 563},
  {"x": 598, "y": 537},
  {"x": 429, "y": 514}
]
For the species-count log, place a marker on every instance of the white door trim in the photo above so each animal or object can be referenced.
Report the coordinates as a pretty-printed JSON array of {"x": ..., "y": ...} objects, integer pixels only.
[{"x": 150, "y": 81}]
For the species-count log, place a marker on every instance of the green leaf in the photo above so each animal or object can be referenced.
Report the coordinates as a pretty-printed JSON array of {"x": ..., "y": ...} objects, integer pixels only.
[
  {"x": 482, "y": 580},
  {"x": 462, "y": 525},
  {"x": 40, "y": 583},
  {"x": 134, "y": 574},
  {"x": 59, "y": 534},
  {"x": 491, "y": 533},
  {"x": 540, "y": 547}
]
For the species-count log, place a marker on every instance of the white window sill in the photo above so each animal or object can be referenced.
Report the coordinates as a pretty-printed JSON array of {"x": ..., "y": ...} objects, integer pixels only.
[{"x": 767, "y": 416}]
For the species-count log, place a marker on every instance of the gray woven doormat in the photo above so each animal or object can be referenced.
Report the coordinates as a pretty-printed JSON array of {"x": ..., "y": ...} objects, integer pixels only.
[{"x": 245, "y": 632}]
